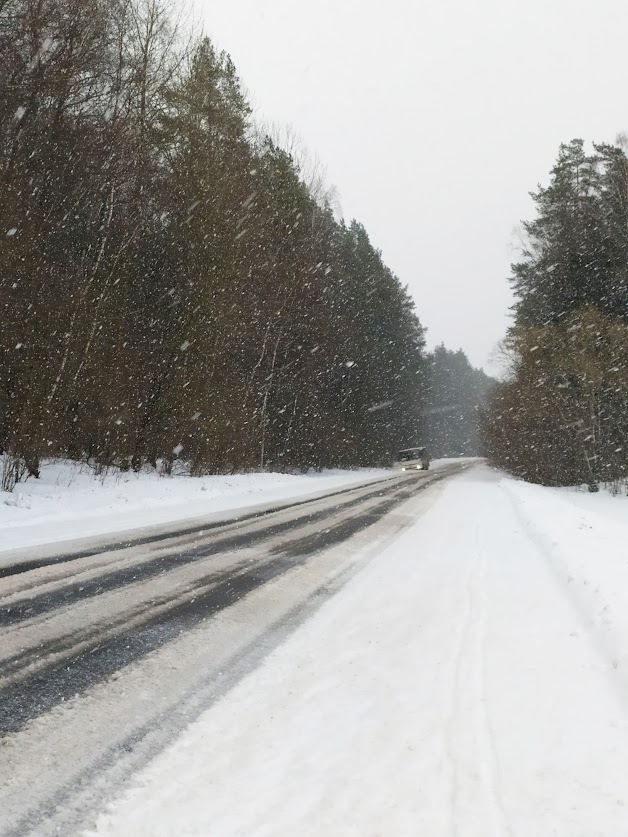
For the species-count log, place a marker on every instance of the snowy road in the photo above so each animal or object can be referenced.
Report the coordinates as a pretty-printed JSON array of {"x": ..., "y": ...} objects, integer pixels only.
[
  {"x": 107, "y": 654},
  {"x": 469, "y": 681}
]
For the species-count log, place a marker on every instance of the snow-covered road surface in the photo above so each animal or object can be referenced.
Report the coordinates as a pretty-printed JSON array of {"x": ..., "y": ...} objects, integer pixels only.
[
  {"x": 107, "y": 653},
  {"x": 469, "y": 681}
]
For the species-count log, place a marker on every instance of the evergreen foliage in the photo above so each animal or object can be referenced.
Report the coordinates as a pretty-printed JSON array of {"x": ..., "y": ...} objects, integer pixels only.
[
  {"x": 169, "y": 284},
  {"x": 561, "y": 415},
  {"x": 455, "y": 394}
]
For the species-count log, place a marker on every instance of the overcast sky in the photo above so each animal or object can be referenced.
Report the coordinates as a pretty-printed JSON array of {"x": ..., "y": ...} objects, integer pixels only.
[{"x": 435, "y": 118}]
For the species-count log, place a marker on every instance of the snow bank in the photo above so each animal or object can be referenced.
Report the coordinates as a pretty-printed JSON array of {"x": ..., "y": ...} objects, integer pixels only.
[
  {"x": 584, "y": 537},
  {"x": 69, "y": 501}
]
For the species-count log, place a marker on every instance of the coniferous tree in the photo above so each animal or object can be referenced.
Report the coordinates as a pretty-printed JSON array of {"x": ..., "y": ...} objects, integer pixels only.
[
  {"x": 560, "y": 416},
  {"x": 455, "y": 395},
  {"x": 171, "y": 284}
]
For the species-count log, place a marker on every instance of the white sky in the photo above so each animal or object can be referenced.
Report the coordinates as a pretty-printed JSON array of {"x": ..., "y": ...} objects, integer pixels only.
[{"x": 435, "y": 119}]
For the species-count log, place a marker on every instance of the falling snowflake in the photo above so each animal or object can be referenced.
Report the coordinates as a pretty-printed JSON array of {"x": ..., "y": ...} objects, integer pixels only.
[{"x": 376, "y": 407}]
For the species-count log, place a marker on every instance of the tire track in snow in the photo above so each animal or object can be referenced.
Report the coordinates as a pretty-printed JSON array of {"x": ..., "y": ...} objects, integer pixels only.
[
  {"x": 455, "y": 709},
  {"x": 36, "y": 605},
  {"x": 501, "y": 826},
  {"x": 66, "y": 667},
  {"x": 56, "y": 806},
  {"x": 471, "y": 747}
]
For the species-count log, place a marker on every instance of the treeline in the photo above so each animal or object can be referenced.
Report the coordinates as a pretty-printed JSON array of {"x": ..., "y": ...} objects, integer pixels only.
[
  {"x": 454, "y": 397},
  {"x": 561, "y": 416},
  {"x": 170, "y": 286}
]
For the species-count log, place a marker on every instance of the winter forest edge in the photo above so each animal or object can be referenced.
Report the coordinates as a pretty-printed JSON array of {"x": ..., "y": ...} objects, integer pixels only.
[
  {"x": 172, "y": 285},
  {"x": 175, "y": 284},
  {"x": 560, "y": 417}
]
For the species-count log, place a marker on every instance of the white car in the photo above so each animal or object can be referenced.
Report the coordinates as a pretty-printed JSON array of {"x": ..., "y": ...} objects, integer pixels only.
[{"x": 414, "y": 459}]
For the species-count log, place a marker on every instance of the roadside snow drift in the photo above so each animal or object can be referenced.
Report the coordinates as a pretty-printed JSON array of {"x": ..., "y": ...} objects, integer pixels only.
[{"x": 471, "y": 680}]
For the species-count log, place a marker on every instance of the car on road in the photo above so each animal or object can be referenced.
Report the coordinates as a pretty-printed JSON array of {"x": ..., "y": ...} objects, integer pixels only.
[{"x": 414, "y": 459}]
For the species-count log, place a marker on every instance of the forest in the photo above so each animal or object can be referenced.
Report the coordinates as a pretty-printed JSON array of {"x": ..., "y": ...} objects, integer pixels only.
[
  {"x": 560, "y": 416},
  {"x": 454, "y": 399},
  {"x": 173, "y": 283}
]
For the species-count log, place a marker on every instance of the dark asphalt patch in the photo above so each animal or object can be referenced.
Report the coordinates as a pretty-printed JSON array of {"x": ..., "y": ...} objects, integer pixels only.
[{"x": 55, "y": 684}]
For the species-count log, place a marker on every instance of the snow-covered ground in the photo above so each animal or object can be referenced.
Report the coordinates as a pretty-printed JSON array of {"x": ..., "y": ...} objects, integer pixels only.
[
  {"x": 69, "y": 501},
  {"x": 471, "y": 680}
]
